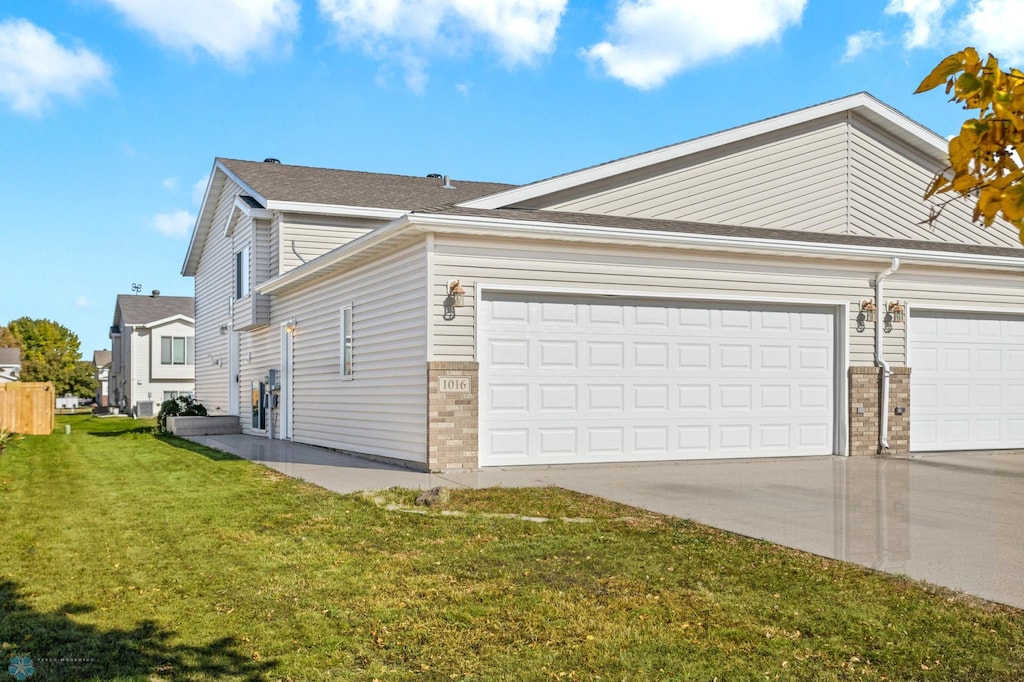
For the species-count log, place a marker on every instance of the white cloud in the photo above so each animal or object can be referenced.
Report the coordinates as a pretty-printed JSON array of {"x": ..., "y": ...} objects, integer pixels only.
[
  {"x": 859, "y": 42},
  {"x": 83, "y": 302},
  {"x": 993, "y": 26},
  {"x": 34, "y": 67},
  {"x": 170, "y": 184},
  {"x": 404, "y": 31},
  {"x": 653, "y": 40},
  {"x": 176, "y": 224},
  {"x": 199, "y": 189},
  {"x": 229, "y": 30},
  {"x": 925, "y": 19},
  {"x": 464, "y": 88}
]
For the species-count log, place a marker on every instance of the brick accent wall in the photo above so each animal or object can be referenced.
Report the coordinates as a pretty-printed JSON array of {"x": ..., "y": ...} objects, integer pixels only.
[
  {"x": 452, "y": 416},
  {"x": 865, "y": 386}
]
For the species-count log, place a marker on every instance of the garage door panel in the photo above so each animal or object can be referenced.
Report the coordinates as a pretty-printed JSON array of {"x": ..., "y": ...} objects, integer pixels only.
[
  {"x": 966, "y": 381},
  {"x": 649, "y": 380}
]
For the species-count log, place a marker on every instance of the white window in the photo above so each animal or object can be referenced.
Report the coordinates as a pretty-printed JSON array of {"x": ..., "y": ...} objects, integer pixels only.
[
  {"x": 177, "y": 350},
  {"x": 346, "y": 342},
  {"x": 242, "y": 273}
]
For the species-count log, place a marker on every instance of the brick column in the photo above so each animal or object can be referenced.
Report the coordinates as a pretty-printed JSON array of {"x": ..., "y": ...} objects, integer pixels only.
[
  {"x": 452, "y": 415},
  {"x": 865, "y": 385}
]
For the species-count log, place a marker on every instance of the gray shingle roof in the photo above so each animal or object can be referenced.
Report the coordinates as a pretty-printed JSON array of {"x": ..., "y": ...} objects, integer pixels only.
[
  {"x": 10, "y": 356},
  {"x": 685, "y": 227},
  {"x": 282, "y": 182},
  {"x": 145, "y": 309},
  {"x": 101, "y": 358}
]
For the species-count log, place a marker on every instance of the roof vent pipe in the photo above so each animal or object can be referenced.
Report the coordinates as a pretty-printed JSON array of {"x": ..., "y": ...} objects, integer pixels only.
[
  {"x": 447, "y": 184},
  {"x": 883, "y": 421}
]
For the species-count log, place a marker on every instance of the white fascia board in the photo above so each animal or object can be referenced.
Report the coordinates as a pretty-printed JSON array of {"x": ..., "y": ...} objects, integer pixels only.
[
  {"x": 501, "y": 227},
  {"x": 342, "y": 253},
  {"x": 252, "y": 212},
  {"x": 334, "y": 209},
  {"x": 913, "y": 131},
  {"x": 166, "y": 320},
  {"x": 241, "y": 183},
  {"x": 204, "y": 221}
]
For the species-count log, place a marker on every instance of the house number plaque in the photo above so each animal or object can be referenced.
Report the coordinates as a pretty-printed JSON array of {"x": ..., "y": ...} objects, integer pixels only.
[{"x": 454, "y": 384}]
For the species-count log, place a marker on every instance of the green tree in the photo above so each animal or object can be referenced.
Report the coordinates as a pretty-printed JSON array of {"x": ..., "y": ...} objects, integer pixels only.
[
  {"x": 7, "y": 339},
  {"x": 983, "y": 157},
  {"x": 49, "y": 352},
  {"x": 82, "y": 381}
]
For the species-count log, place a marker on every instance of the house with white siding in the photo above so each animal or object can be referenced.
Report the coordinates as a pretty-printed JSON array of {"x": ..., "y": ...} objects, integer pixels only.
[
  {"x": 101, "y": 359},
  {"x": 10, "y": 364},
  {"x": 770, "y": 290},
  {"x": 152, "y": 352}
]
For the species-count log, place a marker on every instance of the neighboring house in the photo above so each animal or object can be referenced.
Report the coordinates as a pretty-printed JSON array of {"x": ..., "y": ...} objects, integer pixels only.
[
  {"x": 152, "y": 356},
  {"x": 769, "y": 290},
  {"x": 10, "y": 364},
  {"x": 102, "y": 359}
]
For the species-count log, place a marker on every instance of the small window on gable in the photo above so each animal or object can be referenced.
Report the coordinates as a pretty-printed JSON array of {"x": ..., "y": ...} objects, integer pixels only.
[
  {"x": 346, "y": 342},
  {"x": 242, "y": 273}
]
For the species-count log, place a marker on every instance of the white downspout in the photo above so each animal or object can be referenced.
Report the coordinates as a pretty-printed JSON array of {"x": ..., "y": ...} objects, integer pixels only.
[{"x": 880, "y": 312}]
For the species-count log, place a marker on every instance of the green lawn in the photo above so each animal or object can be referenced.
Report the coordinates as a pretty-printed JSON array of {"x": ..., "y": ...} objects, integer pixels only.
[{"x": 131, "y": 556}]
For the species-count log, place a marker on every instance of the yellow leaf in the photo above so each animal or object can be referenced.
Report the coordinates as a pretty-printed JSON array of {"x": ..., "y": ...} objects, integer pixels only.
[{"x": 946, "y": 68}]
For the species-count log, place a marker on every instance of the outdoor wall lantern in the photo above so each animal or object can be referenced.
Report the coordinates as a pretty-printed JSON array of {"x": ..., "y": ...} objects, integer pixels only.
[
  {"x": 290, "y": 326},
  {"x": 867, "y": 307},
  {"x": 223, "y": 329},
  {"x": 457, "y": 293},
  {"x": 897, "y": 310}
]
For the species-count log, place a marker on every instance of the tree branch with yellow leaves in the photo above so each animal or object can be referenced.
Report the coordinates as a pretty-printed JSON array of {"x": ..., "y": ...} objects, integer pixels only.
[{"x": 984, "y": 159}]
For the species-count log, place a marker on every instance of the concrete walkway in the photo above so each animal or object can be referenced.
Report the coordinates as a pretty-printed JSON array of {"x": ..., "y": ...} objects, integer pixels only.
[{"x": 956, "y": 520}]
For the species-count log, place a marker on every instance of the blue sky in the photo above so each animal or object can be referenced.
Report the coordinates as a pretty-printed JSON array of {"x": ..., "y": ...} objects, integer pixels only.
[{"x": 112, "y": 111}]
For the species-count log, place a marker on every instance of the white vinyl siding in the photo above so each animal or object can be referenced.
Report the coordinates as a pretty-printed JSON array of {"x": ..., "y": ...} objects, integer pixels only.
[
  {"x": 214, "y": 291},
  {"x": 637, "y": 270},
  {"x": 887, "y": 183},
  {"x": 303, "y": 238},
  {"x": 382, "y": 409},
  {"x": 837, "y": 175},
  {"x": 792, "y": 179}
]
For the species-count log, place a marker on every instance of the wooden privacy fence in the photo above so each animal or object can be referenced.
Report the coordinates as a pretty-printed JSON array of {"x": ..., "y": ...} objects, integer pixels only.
[{"x": 26, "y": 407}]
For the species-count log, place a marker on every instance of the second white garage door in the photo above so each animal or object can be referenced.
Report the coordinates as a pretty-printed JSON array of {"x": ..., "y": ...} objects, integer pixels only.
[
  {"x": 571, "y": 379},
  {"x": 966, "y": 381}
]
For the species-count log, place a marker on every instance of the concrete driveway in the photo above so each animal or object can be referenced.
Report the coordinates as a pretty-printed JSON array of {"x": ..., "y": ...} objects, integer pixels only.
[
  {"x": 953, "y": 519},
  {"x": 956, "y": 520}
]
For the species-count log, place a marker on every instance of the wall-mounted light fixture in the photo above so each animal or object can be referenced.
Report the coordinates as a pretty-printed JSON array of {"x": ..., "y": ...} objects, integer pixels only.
[
  {"x": 290, "y": 326},
  {"x": 223, "y": 329},
  {"x": 897, "y": 310},
  {"x": 867, "y": 307},
  {"x": 457, "y": 293}
]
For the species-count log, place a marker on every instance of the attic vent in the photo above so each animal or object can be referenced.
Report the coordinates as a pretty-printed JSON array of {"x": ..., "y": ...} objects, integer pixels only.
[
  {"x": 156, "y": 292},
  {"x": 436, "y": 176},
  {"x": 271, "y": 159}
]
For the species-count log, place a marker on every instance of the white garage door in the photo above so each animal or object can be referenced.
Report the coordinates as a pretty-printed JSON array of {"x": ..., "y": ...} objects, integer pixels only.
[
  {"x": 565, "y": 380},
  {"x": 966, "y": 381}
]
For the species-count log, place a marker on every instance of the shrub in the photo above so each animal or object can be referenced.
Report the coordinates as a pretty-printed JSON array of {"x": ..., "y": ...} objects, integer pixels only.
[
  {"x": 6, "y": 438},
  {"x": 182, "y": 406}
]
